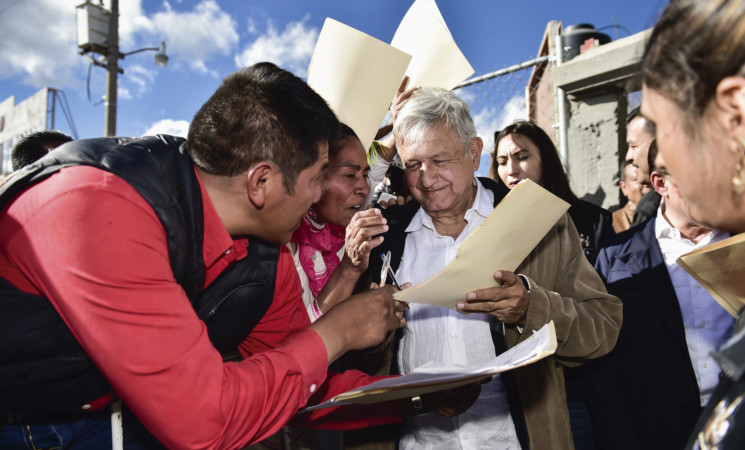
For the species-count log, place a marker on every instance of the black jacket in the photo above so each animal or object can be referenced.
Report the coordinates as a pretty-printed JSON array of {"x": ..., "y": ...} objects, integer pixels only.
[
  {"x": 644, "y": 393},
  {"x": 43, "y": 369},
  {"x": 594, "y": 225},
  {"x": 725, "y": 411}
]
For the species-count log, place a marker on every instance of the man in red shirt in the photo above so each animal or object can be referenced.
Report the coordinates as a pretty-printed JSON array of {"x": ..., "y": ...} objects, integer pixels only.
[{"x": 101, "y": 240}]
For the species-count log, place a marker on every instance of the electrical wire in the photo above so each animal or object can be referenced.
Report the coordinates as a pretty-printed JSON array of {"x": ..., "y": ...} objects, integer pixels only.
[
  {"x": 65, "y": 107},
  {"x": 88, "y": 87}
]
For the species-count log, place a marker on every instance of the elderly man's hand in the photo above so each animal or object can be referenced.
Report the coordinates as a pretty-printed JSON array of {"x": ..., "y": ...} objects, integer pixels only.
[{"x": 508, "y": 302}]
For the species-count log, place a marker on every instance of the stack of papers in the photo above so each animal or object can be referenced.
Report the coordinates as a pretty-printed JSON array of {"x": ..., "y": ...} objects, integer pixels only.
[{"x": 425, "y": 380}]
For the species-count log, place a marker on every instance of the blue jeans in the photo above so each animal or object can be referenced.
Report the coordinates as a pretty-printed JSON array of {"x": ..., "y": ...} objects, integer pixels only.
[{"x": 91, "y": 432}]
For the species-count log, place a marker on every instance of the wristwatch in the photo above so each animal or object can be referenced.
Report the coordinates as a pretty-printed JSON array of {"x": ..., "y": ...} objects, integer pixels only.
[{"x": 416, "y": 402}]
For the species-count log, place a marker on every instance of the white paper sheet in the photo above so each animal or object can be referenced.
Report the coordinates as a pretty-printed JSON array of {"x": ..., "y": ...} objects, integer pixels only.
[
  {"x": 357, "y": 75},
  {"x": 501, "y": 242},
  {"x": 437, "y": 61},
  {"x": 432, "y": 379}
]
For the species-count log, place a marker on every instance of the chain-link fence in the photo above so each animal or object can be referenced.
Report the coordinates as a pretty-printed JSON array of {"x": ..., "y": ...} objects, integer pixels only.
[{"x": 501, "y": 97}]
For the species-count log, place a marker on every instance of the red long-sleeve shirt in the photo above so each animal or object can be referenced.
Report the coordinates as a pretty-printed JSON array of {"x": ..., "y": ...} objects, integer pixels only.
[{"x": 88, "y": 242}]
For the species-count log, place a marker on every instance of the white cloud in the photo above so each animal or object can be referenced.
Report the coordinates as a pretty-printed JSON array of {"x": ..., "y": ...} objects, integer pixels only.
[
  {"x": 251, "y": 26},
  {"x": 192, "y": 37},
  {"x": 199, "y": 35},
  {"x": 38, "y": 42},
  {"x": 169, "y": 126},
  {"x": 490, "y": 119},
  {"x": 122, "y": 93},
  {"x": 290, "y": 49},
  {"x": 141, "y": 77}
]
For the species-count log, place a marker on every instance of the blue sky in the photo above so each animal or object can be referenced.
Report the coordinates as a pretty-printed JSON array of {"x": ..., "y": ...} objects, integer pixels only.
[{"x": 208, "y": 39}]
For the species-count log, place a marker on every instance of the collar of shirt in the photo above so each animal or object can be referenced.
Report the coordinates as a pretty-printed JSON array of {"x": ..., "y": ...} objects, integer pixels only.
[
  {"x": 663, "y": 230},
  {"x": 483, "y": 205},
  {"x": 219, "y": 250}
]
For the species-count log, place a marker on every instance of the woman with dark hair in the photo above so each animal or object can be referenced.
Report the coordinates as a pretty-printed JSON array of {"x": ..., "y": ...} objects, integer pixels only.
[
  {"x": 318, "y": 246},
  {"x": 693, "y": 89},
  {"x": 523, "y": 150}
]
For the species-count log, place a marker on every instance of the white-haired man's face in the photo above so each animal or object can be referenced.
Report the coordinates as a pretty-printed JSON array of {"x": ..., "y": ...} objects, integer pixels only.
[{"x": 439, "y": 173}]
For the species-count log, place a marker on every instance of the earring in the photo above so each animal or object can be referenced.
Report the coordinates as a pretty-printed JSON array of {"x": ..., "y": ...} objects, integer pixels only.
[{"x": 738, "y": 179}]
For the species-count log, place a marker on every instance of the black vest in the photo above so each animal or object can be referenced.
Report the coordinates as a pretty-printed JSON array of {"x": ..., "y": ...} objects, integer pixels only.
[{"x": 43, "y": 369}]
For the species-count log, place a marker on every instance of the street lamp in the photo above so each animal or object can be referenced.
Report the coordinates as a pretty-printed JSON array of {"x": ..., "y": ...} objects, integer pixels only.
[{"x": 98, "y": 32}]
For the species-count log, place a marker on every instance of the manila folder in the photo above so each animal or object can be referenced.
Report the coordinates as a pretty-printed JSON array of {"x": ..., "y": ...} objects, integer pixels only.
[
  {"x": 719, "y": 268},
  {"x": 501, "y": 242}
]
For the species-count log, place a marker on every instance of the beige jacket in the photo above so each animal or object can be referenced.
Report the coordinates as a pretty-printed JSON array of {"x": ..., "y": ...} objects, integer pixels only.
[{"x": 565, "y": 288}]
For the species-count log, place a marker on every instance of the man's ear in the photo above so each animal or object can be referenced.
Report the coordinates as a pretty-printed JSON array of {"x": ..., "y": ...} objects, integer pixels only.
[
  {"x": 658, "y": 183},
  {"x": 475, "y": 152},
  {"x": 730, "y": 102},
  {"x": 258, "y": 181}
]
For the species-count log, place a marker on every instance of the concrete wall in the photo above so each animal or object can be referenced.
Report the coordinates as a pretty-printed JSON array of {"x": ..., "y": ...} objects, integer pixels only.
[
  {"x": 597, "y": 84},
  {"x": 596, "y": 145}
]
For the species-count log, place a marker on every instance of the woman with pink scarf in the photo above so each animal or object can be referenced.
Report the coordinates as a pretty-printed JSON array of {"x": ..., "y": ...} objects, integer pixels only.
[{"x": 337, "y": 222}]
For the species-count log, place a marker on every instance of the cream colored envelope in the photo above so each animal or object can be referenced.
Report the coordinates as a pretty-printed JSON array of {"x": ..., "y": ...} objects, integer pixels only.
[
  {"x": 501, "y": 242},
  {"x": 357, "y": 75},
  {"x": 437, "y": 61},
  {"x": 719, "y": 268}
]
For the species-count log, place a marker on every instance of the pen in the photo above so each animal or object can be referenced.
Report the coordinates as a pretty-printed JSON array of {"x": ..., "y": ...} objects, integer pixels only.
[{"x": 386, "y": 271}]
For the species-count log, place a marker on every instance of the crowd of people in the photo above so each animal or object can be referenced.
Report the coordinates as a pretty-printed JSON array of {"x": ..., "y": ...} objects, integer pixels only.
[{"x": 161, "y": 292}]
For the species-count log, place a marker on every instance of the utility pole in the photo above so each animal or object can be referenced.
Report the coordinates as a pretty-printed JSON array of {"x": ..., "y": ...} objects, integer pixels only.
[
  {"x": 98, "y": 32},
  {"x": 112, "y": 70}
]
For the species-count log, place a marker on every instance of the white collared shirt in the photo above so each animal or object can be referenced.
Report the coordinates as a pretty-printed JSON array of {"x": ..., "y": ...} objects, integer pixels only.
[
  {"x": 442, "y": 336},
  {"x": 707, "y": 324}
]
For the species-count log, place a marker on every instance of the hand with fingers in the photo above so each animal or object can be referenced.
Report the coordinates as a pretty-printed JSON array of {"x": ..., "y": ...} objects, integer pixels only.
[
  {"x": 388, "y": 150},
  {"x": 361, "y": 321},
  {"x": 399, "y": 200},
  {"x": 360, "y": 238},
  {"x": 402, "y": 95},
  {"x": 508, "y": 301}
]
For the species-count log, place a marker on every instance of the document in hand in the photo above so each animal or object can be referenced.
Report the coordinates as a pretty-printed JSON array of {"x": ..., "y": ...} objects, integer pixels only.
[
  {"x": 501, "y": 242},
  {"x": 432, "y": 379},
  {"x": 357, "y": 75},
  {"x": 436, "y": 59},
  {"x": 719, "y": 268}
]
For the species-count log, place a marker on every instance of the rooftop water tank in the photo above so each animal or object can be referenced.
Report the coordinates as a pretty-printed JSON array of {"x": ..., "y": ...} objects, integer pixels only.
[{"x": 576, "y": 35}]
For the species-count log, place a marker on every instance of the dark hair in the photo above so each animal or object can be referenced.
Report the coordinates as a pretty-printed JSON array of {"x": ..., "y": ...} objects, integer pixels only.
[
  {"x": 553, "y": 177},
  {"x": 652, "y": 155},
  {"x": 622, "y": 171},
  {"x": 649, "y": 126},
  {"x": 35, "y": 145},
  {"x": 694, "y": 45},
  {"x": 335, "y": 146},
  {"x": 395, "y": 175},
  {"x": 261, "y": 113}
]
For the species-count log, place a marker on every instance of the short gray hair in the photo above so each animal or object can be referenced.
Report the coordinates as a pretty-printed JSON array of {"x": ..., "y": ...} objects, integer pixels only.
[{"x": 429, "y": 108}]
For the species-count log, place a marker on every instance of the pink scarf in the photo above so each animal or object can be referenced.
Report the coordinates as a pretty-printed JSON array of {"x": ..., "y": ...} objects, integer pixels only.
[{"x": 313, "y": 239}]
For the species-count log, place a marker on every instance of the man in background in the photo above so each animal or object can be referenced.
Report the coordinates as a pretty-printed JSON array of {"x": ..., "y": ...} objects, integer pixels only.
[
  {"x": 639, "y": 135},
  {"x": 35, "y": 145},
  {"x": 650, "y": 390}
]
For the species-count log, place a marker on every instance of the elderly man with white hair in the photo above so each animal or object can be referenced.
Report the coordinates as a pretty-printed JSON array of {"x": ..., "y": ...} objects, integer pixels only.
[{"x": 524, "y": 408}]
